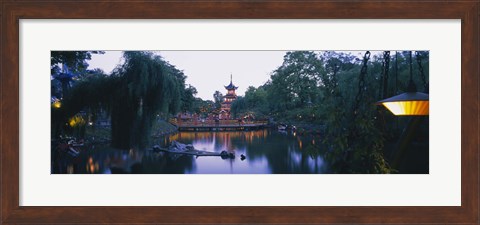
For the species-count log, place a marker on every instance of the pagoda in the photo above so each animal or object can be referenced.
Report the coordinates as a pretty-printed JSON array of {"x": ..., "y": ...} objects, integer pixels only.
[{"x": 228, "y": 99}]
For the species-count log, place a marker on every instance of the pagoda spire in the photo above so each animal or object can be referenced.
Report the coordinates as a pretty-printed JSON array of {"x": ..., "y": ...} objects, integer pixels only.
[{"x": 231, "y": 86}]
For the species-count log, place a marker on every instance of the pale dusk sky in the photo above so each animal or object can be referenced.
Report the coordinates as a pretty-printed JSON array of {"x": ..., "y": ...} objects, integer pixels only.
[{"x": 209, "y": 71}]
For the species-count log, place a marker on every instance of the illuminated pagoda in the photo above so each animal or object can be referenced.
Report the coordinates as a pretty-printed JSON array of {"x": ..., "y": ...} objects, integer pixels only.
[{"x": 228, "y": 99}]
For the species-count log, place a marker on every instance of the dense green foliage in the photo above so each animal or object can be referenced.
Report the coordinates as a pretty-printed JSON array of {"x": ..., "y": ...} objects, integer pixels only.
[
  {"x": 321, "y": 88},
  {"x": 134, "y": 94},
  {"x": 147, "y": 85},
  {"x": 76, "y": 60},
  {"x": 218, "y": 99},
  {"x": 202, "y": 107}
]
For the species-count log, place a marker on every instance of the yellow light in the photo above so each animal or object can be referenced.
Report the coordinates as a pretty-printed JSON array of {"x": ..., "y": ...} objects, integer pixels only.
[
  {"x": 57, "y": 104},
  {"x": 407, "y": 104},
  {"x": 76, "y": 120},
  {"x": 408, "y": 108},
  {"x": 72, "y": 122}
]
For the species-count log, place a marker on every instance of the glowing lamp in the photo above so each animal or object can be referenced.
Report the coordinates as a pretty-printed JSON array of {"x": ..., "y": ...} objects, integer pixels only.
[
  {"x": 57, "y": 104},
  {"x": 76, "y": 121},
  {"x": 72, "y": 122},
  {"x": 407, "y": 104},
  {"x": 410, "y": 103}
]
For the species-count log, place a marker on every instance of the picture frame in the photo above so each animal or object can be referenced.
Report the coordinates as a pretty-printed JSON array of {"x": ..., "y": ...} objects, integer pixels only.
[{"x": 13, "y": 11}]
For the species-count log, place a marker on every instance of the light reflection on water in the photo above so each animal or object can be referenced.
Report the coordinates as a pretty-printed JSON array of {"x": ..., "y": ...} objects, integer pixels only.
[{"x": 266, "y": 151}]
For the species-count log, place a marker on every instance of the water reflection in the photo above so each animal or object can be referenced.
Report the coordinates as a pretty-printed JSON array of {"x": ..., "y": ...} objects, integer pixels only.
[{"x": 265, "y": 151}]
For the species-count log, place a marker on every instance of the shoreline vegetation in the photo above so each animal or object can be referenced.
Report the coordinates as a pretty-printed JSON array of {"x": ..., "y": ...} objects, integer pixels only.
[
  {"x": 102, "y": 134},
  {"x": 162, "y": 128}
]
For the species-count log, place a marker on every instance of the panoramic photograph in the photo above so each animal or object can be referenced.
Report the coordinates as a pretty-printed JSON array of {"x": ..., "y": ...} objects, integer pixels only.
[{"x": 240, "y": 112}]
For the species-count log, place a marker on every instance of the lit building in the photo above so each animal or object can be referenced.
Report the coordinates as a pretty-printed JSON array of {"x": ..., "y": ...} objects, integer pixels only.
[{"x": 228, "y": 99}]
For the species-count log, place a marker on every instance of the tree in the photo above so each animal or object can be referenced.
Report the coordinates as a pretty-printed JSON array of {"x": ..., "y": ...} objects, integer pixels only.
[
  {"x": 76, "y": 60},
  {"x": 134, "y": 93},
  {"x": 76, "y": 64},
  {"x": 218, "y": 98},
  {"x": 354, "y": 144},
  {"x": 294, "y": 83},
  {"x": 91, "y": 93},
  {"x": 202, "y": 107},
  {"x": 255, "y": 101},
  {"x": 238, "y": 107},
  {"x": 148, "y": 85},
  {"x": 188, "y": 98}
]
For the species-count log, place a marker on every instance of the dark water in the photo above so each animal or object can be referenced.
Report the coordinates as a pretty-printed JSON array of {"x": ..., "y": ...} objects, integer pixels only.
[{"x": 266, "y": 152}]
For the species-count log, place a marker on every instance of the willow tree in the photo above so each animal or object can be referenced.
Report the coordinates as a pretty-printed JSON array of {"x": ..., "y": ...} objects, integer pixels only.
[
  {"x": 134, "y": 94},
  {"x": 146, "y": 86}
]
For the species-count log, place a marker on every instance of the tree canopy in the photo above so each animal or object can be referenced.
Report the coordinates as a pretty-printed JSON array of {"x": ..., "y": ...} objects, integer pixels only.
[
  {"x": 134, "y": 94},
  {"x": 324, "y": 89}
]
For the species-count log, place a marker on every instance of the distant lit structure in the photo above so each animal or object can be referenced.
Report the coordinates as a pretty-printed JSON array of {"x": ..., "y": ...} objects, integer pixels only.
[
  {"x": 56, "y": 103},
  {"x": 228, "y": 99}
]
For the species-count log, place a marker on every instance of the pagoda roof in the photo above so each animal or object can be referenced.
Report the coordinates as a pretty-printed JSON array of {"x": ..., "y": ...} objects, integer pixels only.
[{"x": 231, "y": 86}]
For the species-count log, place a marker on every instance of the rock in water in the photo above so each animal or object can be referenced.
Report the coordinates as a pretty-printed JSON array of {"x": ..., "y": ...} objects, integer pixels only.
[
  {"x": 224, "y": 154},
  {"x": 178, "y": 147},
  {"x": 156, "y": 148}
]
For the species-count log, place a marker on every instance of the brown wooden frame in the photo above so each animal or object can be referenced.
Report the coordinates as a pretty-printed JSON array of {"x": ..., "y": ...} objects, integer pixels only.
[{"x": 12, "y": 11}]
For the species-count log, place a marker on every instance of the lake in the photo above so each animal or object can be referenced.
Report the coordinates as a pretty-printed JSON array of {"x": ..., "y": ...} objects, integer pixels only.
[{"x": 266, "y": 152}]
